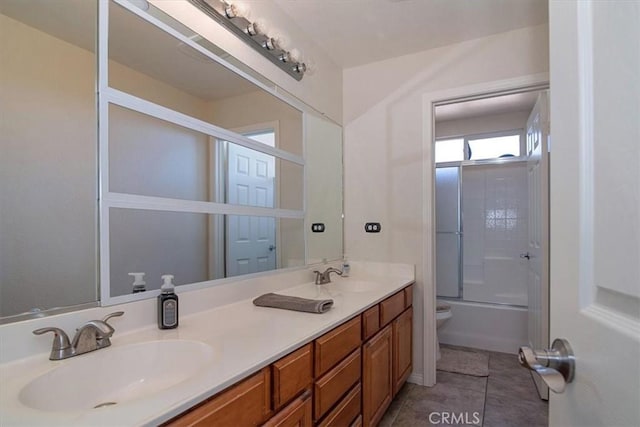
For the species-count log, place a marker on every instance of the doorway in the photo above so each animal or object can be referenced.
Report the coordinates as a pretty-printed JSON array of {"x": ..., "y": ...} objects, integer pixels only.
[{"x": 491, "y": 219}]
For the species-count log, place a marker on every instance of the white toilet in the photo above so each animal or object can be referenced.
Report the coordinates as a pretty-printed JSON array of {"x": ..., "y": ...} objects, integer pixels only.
[{"x": 443, "y": 313}]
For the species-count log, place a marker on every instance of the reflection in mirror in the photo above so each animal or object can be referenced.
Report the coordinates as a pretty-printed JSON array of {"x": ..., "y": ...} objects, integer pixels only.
[
  {"x": 197, "y": 247},
  {"x": 324, "y": 185},
  {"x": 48, "y": 171}
]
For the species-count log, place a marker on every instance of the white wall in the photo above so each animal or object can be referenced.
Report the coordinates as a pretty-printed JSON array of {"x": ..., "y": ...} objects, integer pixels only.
[{"x": 384, "y": 119}]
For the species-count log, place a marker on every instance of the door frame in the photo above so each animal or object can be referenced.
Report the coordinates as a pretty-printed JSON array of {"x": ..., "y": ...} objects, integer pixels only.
[{"x": 429, "y": 101}]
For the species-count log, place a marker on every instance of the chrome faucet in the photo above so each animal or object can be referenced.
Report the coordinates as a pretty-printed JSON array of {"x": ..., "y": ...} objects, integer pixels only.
[
  {"x": 325, "y": 277},
  {"x": 93, "y": 335}
]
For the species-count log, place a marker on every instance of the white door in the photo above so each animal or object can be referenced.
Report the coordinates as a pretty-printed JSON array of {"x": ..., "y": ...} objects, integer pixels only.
[
  {"x": 537, "y": 255},
  {"x": 251, "y": 240},
  {"x": 595, "y": 208}
]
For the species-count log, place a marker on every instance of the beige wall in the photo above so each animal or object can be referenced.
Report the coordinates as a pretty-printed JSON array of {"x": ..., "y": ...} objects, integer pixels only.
[
  {"x": 47, "y": 171},
  {"x": 484, "y": 124},
  {"x": 384, "y": 137}
]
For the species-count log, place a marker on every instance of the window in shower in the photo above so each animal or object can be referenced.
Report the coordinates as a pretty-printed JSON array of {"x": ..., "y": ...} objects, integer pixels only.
[{"x": 486, "y": 146}]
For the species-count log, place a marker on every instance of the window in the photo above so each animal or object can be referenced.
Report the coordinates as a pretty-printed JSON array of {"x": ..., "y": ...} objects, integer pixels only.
[
  {"x": 450, "y": 150},
  {"x": 479, "y": 147},
  {"x": 494, "y": 147}
]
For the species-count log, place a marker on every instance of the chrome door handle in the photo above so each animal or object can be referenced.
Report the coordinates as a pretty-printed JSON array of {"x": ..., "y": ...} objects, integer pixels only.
[
  {"x": 526, "y": 255},
  {"x": 556, "y": 365}
]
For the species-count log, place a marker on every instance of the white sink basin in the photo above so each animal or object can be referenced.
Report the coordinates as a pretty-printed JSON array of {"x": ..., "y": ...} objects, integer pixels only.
[
  {"x": 116, "y": 375},
  {"x": 358, "y": 286}
]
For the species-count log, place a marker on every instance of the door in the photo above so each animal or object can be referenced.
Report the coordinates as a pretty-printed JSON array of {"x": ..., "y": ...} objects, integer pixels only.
[
  {"x": 251, "y": 240},
  {"x": 537, "y": 255},
  {"x": 595, "y": 208},
  {"x": 448, "y": 232},
  {"x": 377, "y": 381}
]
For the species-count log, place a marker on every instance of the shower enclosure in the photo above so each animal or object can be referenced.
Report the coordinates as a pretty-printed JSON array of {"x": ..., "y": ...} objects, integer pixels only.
[{"x": 481, "y": 232}]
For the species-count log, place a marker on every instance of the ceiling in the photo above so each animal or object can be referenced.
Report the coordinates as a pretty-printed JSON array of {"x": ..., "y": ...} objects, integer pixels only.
[
  {"x": 356, "y": 32},
  {"x": 513, "y": 103}
]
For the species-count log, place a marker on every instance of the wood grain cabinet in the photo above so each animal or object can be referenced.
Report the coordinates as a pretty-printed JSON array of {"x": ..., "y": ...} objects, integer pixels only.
[
  {"x": 377, "y": 381},
  {"x": 247, "y": 403},
  {"x": 296, "y": 414},
  {"x": 291, "y": 375},
  {"x": 334, "y": 381},
  {"x": 402, "y": 329}
]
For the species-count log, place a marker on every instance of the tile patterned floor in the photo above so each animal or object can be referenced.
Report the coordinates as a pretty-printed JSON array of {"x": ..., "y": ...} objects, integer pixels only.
[{"x": 507, "y": 397}]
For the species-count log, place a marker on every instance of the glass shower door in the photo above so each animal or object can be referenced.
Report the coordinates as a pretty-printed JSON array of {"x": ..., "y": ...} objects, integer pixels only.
[{"x": 448, "y": 232}]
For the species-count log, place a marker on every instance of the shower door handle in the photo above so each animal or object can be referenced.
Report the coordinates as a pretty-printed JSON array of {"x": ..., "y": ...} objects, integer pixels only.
[{"x": 556, "y": 365}]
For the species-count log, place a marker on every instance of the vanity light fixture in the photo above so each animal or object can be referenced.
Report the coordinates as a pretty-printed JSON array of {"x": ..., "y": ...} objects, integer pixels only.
[{"x": 236, "y": 19}]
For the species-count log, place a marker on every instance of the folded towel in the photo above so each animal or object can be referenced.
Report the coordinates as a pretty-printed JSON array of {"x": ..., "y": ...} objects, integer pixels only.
[{"x": 293, "y": 303}]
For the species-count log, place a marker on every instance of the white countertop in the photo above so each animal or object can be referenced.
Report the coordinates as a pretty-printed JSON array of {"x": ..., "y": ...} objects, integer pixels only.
[{"x": 244, "y": 338}]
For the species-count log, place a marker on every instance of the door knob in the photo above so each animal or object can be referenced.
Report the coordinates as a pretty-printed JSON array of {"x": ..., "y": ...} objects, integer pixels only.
[
  {"x": 526, "y": 255},
  {"x": 272, "y": 248},
  {"x": 555, "y": 365}
]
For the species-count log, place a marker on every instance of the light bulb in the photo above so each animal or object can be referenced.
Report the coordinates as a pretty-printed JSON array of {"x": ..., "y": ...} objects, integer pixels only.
[{"x": 270, "y": 44}]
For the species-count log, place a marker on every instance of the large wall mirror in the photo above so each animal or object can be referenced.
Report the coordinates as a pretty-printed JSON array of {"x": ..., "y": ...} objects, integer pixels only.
[{"x": 197, "y": 168}]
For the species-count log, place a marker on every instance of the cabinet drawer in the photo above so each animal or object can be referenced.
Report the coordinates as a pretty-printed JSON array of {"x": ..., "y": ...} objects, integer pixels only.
[
  {"x": 391, "y": 308},
  {"x": 347, "y": 410},
  {"x": 247, "y": 403},
  {"x": 332, "y": 386},
  {"x": 333, "y": 346},
  {"x": 408, "y": 296},
  {"x": 296, "y": 414},
  {"x": 370, "y": 322},
  {"x": 357, "y": 422},
  {"x": 291, "y": 375}
]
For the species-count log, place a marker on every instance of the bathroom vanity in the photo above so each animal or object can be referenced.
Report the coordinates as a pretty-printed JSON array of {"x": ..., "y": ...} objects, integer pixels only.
[
  {"x": 347, "y": 376},
  {"x": 239, "y": 362}
]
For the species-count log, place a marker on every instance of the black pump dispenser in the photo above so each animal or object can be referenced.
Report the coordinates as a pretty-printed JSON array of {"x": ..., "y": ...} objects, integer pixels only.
[{"x": 167, "y": 305}]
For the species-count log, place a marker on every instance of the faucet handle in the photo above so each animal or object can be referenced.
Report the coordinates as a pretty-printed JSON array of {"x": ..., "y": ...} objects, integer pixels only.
[
  {"x": 111, "y": 315},
  {"x": 61, "y": 346}
]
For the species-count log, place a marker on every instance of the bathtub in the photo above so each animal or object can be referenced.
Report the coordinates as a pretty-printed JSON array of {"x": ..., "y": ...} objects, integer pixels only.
[{"x": 486, "y": 326}]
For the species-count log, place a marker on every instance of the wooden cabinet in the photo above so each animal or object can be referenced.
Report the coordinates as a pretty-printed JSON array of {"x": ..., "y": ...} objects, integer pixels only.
[
  {"x": 370, "y": 322},
  {"x": 291, "y": 375},
  {"x": 346, "y": 411},
  {"x": 335, "y": 345},
  {"x": 402, "y": 329},
  {"x": 377, "y": 381},
  {"x": 247, "y": 403},
  {"x": 391, "y": 308},
  {"x": 296, "y": 414},
  {"x": 336, "y": 383}
]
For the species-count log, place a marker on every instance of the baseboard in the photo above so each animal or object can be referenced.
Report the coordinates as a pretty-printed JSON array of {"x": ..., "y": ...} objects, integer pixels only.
[{"x": 416, "y": 379}]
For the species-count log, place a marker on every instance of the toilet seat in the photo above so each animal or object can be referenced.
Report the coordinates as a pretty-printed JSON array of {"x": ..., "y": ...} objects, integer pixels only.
[{"x": 442, "y": 306}]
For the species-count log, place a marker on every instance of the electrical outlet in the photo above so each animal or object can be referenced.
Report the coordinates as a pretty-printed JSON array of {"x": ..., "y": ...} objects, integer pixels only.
[
  {"x": 372, "y": 227},
  {"x": 317, "y": 227}
]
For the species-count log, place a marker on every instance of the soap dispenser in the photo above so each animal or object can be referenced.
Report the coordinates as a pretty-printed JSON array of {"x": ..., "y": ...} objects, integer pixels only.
[
  {"x": 139, "y": 285},
  {"x": 167, "y": 304},
  {"x": 346, "y": 268}
]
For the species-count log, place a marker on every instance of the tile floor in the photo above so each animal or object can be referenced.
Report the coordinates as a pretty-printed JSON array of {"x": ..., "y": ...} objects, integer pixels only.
[{"x": 507, "y": 397}]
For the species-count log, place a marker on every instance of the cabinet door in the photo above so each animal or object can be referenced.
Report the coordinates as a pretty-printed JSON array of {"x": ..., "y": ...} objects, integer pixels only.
[
  {"x": 377, "y": 381},
  {"x": 247, "y": 403},
  {"x": 402, "y": 348},
  {"x": 296, "y": 414}
]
